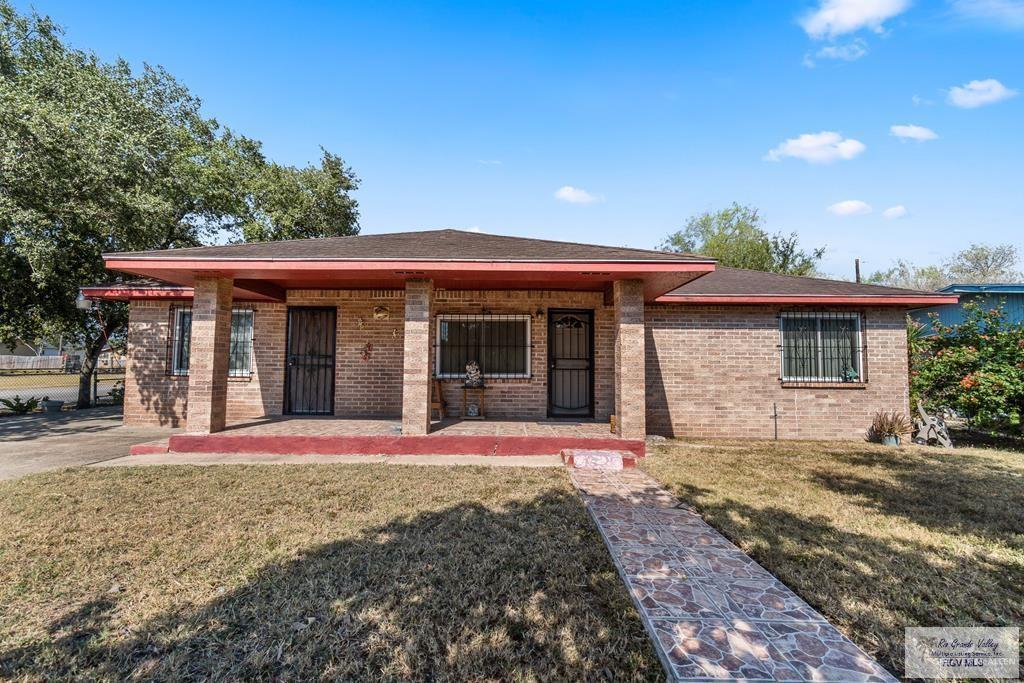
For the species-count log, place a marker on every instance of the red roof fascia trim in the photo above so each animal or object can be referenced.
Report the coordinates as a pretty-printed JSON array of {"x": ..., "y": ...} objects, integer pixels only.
[
  {"x": 443, "y": 266},
  {"x": 123, "y": 293},
  {"x": 877, "y": 299}
]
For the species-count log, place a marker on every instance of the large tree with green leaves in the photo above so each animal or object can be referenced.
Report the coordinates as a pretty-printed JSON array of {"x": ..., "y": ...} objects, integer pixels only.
[
  {"x": 735, "y": 236},
  {"x": 977, "y": 264},
  {"x": 97, "y": 157}
]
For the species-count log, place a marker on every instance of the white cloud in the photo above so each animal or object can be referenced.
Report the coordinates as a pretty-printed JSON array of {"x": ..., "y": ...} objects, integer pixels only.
[
  {"x": 1004, "y": 13},
  {"x": 575, "y": 195},
  {"x": 851, "y": 207},
  {"x": 912, "y": 132},
  {"x": 489, "y": 162},
  {"x": 921, "y": 101},
  {"x": 837, "y": 17},
  {"x": 894, "y": 212},
  {"x": 979, "y": 93},
  {"x": 817, "y": 148},
  {"x": 846, "y": 53}
]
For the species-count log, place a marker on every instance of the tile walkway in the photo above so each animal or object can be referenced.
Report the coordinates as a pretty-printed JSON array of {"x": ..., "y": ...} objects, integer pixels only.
[{"x": 712, "y": 612}]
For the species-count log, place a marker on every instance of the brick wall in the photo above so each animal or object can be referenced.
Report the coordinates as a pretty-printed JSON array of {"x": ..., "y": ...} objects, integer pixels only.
[
  {"x": 368, "y": 379},
  {"x": 710, "y": 371},
  {"x": 151, "y": 396},
  {"x": 714, "y": 372},
  {"x": 368, "y": 357},
  {"x": 528, "y": 398}
]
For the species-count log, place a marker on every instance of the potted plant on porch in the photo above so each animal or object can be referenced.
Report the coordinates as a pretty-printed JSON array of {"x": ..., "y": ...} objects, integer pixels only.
[
  {"x": 890, "y": 428},
  {"x": 51, "y": 406}
]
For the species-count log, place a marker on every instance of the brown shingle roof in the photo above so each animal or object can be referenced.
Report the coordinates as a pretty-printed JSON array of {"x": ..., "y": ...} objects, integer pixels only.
[
  {"x": 739, "y": 282},
  {"x": 428, "y": 245}
]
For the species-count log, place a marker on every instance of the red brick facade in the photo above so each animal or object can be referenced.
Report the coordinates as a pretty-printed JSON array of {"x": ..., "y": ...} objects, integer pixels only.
[
  {"x": 713, "y": 371},
  {"x": 710, "y": 371}
]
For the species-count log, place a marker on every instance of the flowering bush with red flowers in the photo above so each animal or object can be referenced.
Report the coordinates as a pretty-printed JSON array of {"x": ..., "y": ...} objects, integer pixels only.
[{"x": 975, "y": 368}]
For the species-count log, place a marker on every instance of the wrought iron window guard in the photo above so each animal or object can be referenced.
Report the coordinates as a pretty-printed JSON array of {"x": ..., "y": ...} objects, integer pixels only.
[
  {"x": 821, "y": 347},
  {"x": 499, "y": 342}
]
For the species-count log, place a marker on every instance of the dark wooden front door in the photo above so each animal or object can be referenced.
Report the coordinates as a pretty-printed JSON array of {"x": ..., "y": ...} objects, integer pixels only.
[
  {"x": 309, "y": 364},
  {"x": 570, "y": 363}
]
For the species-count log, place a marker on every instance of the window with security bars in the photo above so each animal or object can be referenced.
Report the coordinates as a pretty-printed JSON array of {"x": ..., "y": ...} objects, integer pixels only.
[
  {"x": 500, "y": 344},
  {"x": 821, "y": 347},
  {"x": 179, "y": 342}
]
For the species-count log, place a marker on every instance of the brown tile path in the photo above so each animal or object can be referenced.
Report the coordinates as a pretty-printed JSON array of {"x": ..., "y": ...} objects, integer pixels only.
[{"x": 712, "y": 612}]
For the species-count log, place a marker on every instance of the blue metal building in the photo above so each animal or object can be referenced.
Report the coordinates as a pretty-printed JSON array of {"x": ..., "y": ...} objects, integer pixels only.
[{"x": 1010, "y": 296}]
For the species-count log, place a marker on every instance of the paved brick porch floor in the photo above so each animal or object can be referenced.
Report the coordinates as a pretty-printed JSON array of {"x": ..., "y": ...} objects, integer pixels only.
[
  {"x": 712, "y": 612},
  {"x": 337, "y": 426}
]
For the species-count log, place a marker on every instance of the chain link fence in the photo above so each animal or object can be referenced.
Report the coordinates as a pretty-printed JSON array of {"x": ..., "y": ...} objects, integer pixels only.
[{"x": 55, "y": 378}]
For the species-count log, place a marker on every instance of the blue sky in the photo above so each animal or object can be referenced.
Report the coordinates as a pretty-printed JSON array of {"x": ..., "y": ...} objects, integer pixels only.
[{"x": 476, "y": 115}]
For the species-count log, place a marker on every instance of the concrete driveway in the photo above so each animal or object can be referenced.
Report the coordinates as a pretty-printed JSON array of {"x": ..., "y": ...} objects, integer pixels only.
[{"x": 38, "y": 442}]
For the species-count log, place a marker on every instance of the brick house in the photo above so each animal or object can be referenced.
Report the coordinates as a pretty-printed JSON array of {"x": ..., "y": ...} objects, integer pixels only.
[{"x": 368, "y": 327}]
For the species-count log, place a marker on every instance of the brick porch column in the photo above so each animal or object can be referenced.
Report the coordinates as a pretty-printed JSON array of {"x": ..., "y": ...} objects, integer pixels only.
[
  {"x": 630, "y": 360},
  {"x": 419, "y": 294},
  {"x": 208, "y": 355}
]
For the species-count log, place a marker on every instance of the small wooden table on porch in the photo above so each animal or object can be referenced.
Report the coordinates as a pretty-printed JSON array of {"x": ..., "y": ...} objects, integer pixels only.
[{"x": 466, "y": 389}]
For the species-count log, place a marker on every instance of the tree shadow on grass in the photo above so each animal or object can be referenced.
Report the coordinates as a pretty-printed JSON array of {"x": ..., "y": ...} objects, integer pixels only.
[
  {"x": 523, "y": 592},
  {"x": 872, "y": 587},
  {"x": 942, "y": 491}
]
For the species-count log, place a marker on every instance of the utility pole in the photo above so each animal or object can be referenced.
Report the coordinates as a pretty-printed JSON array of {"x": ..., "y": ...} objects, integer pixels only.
[{"x": 856, "y": 268}]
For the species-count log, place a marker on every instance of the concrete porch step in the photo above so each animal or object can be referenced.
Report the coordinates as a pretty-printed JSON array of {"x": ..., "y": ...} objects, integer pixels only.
[
  {"x": 149, "y": 447},
  {"x": 389, "y": 445},
  {"x": 596, "y": 459}
]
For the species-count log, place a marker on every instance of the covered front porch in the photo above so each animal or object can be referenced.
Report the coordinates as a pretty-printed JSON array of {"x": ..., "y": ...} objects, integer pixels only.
[{"x": 247, "y": 343}]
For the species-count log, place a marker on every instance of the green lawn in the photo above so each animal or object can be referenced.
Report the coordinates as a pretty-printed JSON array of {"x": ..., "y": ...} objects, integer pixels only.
[
  {"x": 875, "y": 538},
  {"x": 47, "y": 380},
  {"x": 310, "y": 572}
]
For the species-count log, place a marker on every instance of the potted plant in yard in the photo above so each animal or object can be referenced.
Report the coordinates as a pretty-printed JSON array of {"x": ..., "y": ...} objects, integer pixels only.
[
  {"x": 51, "y": 407},
  {"x": 890, "y": 427}
]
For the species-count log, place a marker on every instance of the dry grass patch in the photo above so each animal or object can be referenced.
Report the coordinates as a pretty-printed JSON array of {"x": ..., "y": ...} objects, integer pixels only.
[
  {"x": 875, "y": 538},
  {"x": 309, "y": 572}
]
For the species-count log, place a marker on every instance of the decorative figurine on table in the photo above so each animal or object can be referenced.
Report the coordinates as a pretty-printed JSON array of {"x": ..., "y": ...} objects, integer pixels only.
[
  {"x": 474, "y": 382},
  {"x": 474, "y": 378}
]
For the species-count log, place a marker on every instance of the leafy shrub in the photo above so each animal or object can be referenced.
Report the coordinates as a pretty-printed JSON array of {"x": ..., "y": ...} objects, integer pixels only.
[
  {"x": 975, "y": 368},
  {"x": 19, "y": 407},
  {"x": 890, "y": 424},
  {"x": 117, "y": 392}
]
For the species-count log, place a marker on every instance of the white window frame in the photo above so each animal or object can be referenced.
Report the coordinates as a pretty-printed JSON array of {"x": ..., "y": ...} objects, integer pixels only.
[
  {"x": 468, "y": 317},
  {"x": 177, "y": 371},
  {"x": 176, "y": 341},
  {"x": 246, "y": 371},
  {"x": 818, "y": 316}
]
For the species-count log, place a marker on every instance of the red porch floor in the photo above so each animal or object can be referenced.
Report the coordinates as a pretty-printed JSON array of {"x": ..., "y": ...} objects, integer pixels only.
[{"x": 330, "y": 435}]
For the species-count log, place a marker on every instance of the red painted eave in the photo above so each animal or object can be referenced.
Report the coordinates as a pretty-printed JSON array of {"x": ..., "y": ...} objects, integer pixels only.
[
  {"x": 870, "y": 300},
  {"x": 162, "y": 294},
  {"x": 126, "y": 293},
  {"x": 659, "y": 276}
]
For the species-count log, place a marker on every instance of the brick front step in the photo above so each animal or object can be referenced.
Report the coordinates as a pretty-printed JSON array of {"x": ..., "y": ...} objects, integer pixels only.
[
  {"x": 282, "y": 444},
  {"x": 595, "y": 459},
  {"x": 149, "y": 447}
]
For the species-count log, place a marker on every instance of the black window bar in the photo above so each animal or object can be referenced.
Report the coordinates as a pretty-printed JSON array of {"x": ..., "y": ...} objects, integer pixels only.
[
  {"x": 179, "y": 341},
  {"x": 821, "y": 347},
  {"x": 240, "y": 358},
  {"x": 499, "y": 343}
]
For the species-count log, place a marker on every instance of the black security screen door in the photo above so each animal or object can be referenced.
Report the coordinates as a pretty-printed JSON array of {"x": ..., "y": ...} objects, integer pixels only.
[
  {"x": 309, "y": 370},
  {"x": 570, "y": 363}
]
